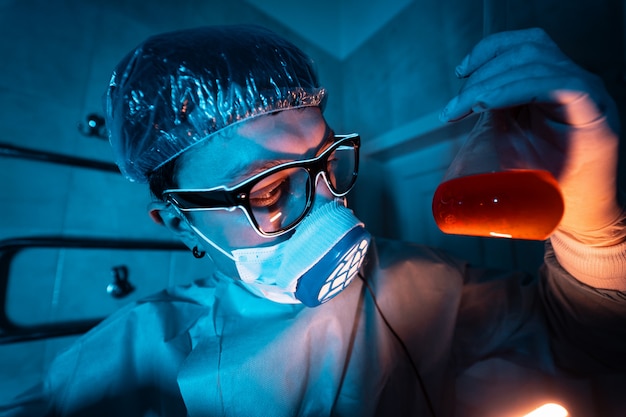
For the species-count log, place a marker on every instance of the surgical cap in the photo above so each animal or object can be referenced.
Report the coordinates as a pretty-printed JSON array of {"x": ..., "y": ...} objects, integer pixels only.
[{"x": 177, "y": 89}]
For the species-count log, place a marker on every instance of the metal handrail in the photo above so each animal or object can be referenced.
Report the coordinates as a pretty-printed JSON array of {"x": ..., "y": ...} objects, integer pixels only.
[
  {"x": 11, "y": 332},
  {"x": 13, "y": 151}
]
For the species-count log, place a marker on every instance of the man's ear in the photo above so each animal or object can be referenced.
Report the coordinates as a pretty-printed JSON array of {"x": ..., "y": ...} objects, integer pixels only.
[{"x": 165, "y": 215}]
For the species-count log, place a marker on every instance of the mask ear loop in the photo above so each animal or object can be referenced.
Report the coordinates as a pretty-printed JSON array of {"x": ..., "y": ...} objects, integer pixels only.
[
  {"x": 209, "y": 241},
  {"x": 202, "y": 235}
]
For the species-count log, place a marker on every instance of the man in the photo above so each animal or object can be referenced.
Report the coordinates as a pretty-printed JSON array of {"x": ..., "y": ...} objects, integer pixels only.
[{"x": 306, "y": 313}]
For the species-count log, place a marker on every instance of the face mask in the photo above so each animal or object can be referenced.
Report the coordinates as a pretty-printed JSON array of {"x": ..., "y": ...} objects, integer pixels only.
[{"x": 315, "y": 264}]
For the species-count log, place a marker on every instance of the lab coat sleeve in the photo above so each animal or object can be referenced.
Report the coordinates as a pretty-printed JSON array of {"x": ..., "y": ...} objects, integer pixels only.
[
  {"x": 587, "y": 324},
  {"x": 126, "y": 366},
  {"x": 550, "y": 321}
]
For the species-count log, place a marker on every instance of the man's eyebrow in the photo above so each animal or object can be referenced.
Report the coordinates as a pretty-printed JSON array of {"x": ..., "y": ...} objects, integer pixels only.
[
  {"x": 330, "y": 139},
  {"x": 253, "y": 168}
]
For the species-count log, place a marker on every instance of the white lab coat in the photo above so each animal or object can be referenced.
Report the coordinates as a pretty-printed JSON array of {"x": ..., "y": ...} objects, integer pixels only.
[{"x": 214, "y": 349}]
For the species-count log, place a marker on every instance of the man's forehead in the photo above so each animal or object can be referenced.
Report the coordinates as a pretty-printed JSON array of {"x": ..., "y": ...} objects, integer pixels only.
[
  {"x": 274, "y": 130},
  {"x": 254, "y": 146}
]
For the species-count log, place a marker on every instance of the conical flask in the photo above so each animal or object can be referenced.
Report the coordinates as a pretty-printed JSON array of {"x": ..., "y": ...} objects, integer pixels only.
[{"x": 497, "y": 185}]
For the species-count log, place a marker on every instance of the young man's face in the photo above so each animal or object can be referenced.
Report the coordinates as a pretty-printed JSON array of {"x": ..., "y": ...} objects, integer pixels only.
[{"x": 250, "y": 147}]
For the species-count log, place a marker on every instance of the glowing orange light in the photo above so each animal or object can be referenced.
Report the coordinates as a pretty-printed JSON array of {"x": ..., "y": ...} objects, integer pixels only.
[
  {"x": 548, "y": 410},
  {"x": 496, "y": 234}
]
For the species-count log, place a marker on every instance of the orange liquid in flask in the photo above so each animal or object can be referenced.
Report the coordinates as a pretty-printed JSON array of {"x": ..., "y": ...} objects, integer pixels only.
[{"x": 519, "y": 204}]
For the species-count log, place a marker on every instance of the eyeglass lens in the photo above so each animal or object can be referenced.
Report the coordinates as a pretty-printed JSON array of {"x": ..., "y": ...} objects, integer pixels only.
[{"x": 279, "y": 200}]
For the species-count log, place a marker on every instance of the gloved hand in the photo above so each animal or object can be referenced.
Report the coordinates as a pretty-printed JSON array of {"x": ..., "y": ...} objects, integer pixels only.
[{"x": 557, "y": 102}]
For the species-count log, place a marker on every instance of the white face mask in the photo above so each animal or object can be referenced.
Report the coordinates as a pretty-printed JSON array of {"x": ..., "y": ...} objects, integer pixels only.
[{"x": 316, "y": 263}]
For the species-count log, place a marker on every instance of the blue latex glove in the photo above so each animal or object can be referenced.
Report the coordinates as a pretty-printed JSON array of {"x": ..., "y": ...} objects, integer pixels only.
[{"x": 561, "y": 104}]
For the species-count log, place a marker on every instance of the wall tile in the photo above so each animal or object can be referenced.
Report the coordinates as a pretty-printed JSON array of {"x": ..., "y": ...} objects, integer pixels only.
[
  {"x": 105, "y": 204},
  {"x": 33, "y": 200},
  {"x": 84, "y": 275},
  {"x": 32, "y": 287}
]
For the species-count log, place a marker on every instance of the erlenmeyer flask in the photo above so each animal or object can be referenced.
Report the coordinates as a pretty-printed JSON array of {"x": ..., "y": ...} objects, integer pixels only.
[{"x": 496, "y": 186}]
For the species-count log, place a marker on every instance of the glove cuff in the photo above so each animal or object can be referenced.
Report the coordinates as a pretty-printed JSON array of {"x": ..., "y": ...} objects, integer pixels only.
[{"x": 599, "y": 266}]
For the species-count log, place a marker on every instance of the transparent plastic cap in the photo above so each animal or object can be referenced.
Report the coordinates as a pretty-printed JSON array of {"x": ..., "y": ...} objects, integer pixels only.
[{"x": 177, "y": 89}]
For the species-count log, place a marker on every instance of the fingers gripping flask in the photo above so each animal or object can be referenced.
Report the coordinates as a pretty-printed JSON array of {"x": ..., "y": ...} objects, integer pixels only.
[{"x": 497, "y": 186}]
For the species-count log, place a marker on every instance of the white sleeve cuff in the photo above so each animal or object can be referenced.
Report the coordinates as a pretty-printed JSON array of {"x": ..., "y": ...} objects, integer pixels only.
[{"x": 598, "y": 267}]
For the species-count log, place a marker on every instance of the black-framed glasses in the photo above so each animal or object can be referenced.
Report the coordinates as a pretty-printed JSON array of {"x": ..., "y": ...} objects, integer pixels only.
[{"x": 277, "y": 199}]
